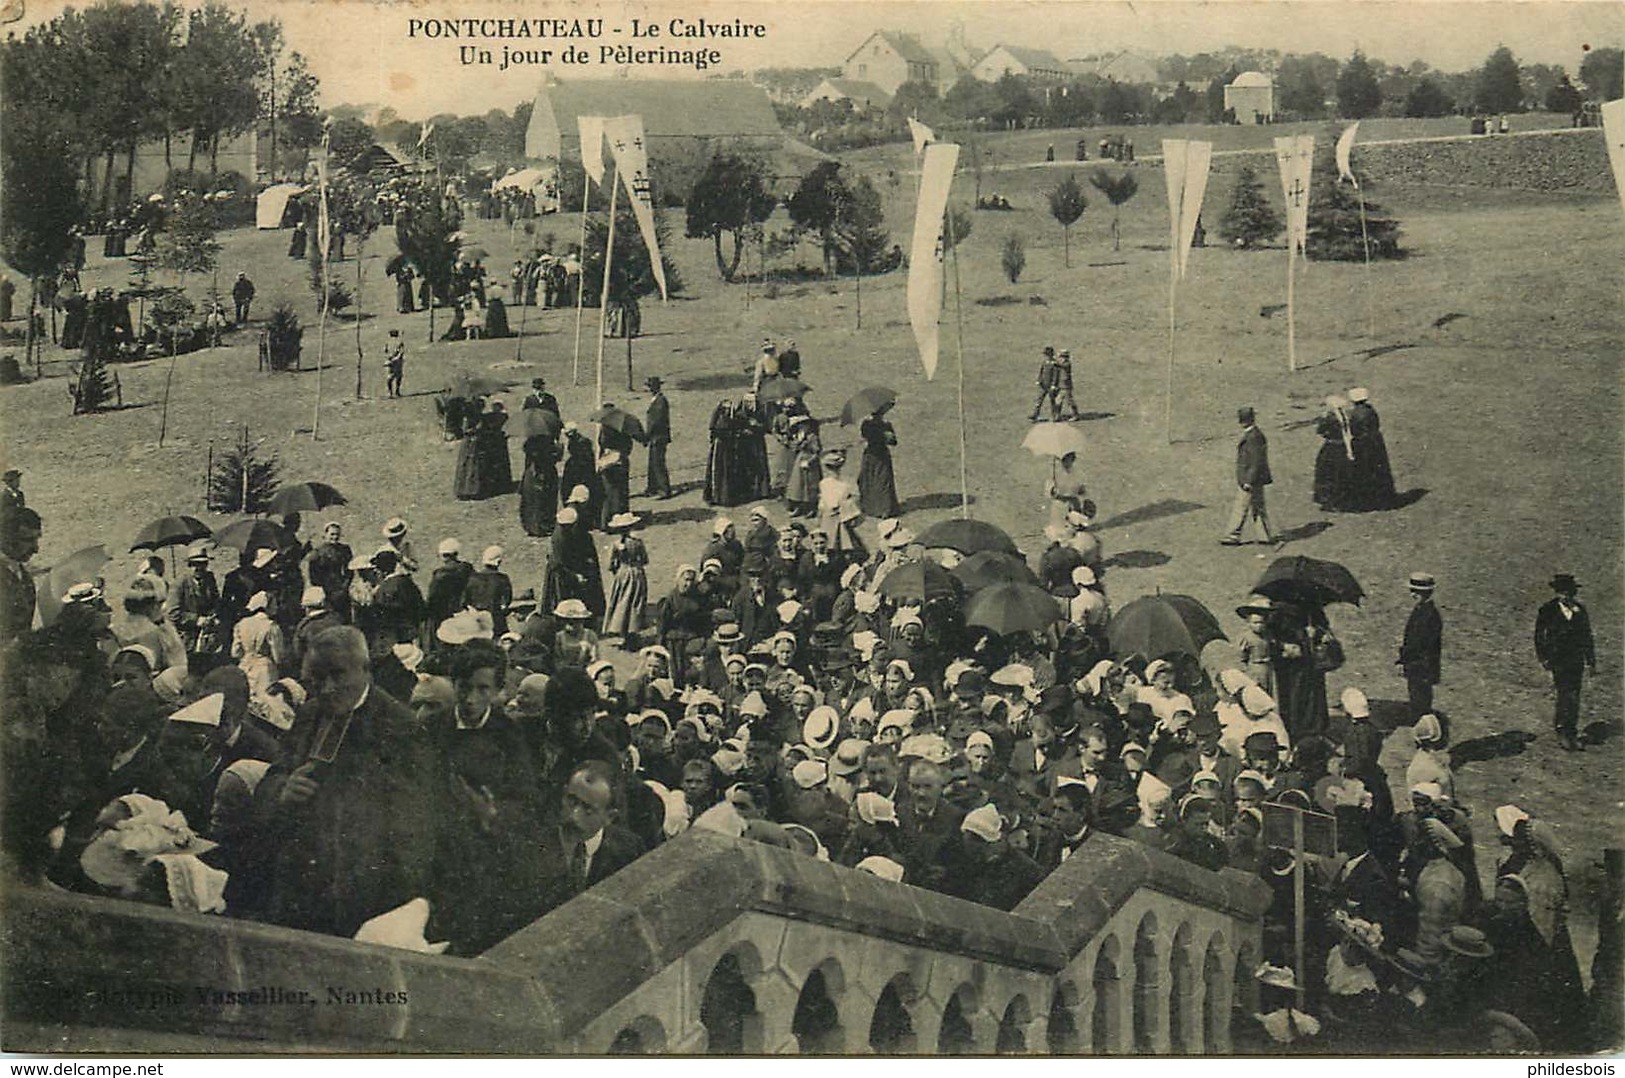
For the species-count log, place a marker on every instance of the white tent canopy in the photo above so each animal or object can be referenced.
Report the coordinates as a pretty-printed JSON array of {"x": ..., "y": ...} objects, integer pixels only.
[
  {"x": 273, "y": 202},
  {"x": 525, "y": 179}
]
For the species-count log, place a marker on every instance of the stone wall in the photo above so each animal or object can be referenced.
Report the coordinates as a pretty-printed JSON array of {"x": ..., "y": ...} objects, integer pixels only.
[{"x": 706, "y": 945}]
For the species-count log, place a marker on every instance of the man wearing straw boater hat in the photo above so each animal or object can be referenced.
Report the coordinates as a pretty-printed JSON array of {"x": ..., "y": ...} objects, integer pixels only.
[
  {"x": 1419, "y": 650},
  {"x": 1565, "y": 648}
]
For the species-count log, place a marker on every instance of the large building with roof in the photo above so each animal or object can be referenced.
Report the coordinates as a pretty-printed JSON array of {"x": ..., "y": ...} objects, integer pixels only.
[
  {"x": 673, "y": 110},
  {"x": 1036, "y": 64},
  {"x": 888, "y": 59},
  {"x": 1252, "y": 96}
]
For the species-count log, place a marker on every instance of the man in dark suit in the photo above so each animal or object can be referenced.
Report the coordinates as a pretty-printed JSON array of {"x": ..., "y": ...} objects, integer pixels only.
[
  {"x": 927, "y": 828},
  {"x": 657, "y": 427},
  {"x": 19, "y": 541},
  {"x": 1049, "y": 386},
  {"x": 1565, "y": 648},
  {"x": 1419, "y": 650},
  {"x": 350, "y": 815},
  {"x": 1252, "y": 476},
  {"x": 539, "y": 397}
]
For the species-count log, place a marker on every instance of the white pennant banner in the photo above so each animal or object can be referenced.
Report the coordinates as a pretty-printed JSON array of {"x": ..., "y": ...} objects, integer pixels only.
[
  {"x": 592, "y": 146},
  {"x": 1294, "y": 155},
  {"x": 1345, "y": 147},
  {"x": 1613, "y": 127},
  {"x": 927, "y": 249},
  {"x": 1185, "y": 169},
  {"x": 923, "y": 136},
  {"x": 626, "y": 143}
]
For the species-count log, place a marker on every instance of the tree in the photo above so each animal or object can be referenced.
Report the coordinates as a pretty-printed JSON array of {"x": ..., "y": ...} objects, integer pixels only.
[
  {"x": 348, "y": 140},
  {"x": 1251, "y": 218},
  {"x": 1563, "y": 97},
  {"x": 1301, "y": 91},
  {"x": 1427, "y": 98},
  {"x": 1013, "y": 100},
  {"x": 284, "y": 339},
  {"x": 1013, "y": 257},
  {"x": 968, "y": 98},
  {"x": 1118, "y": 190},
  {"x": 1602, "y": 72},
  {"x": 1499, "y": 85},
  {"x": 39, "y": 202},
  {"x": 242, "y": 481},
  {"x": 1358, "y": 94},
  {"x": 1334, "y": 214},
  {"x": 217, "y": 78},
  {"x": 956, "y": 227},
  {"x": 426, "y": 234},
  {"x": 1180, "y": 107},
  {"x": 860, "y": 226},
  {"x": 729, "y": 197},
  {"x": 1214, "y": 98},
  {"x": 187, "y": 244},
  {"x": 816, "y": 205},
  {"x": 1066, "y": 204}
]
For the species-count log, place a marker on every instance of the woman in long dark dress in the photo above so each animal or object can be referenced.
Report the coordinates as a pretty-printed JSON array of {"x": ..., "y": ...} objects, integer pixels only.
[
  {"x": 1334, "y": 464},
  {"x": 756, "y": 473},
  {"x": 1372, "y": 476},
  {"x": 491, "y": 449},
  {"x": 579, "y": 466},
  {"x": 539, "y": 486},
  {"x": 466, "y": 483},
  {"x": 722, "y": 468},
  {"x": 496, "y": 318},
  {"x": 572, "y": 565},
  {"x": 877, "y": 485},
  {"x": 614, "y": 474},
  {"x": 806, "y": 470}
]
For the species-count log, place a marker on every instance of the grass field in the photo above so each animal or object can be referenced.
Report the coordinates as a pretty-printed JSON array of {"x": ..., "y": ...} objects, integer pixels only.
[{"x": 1504, "y": 420}]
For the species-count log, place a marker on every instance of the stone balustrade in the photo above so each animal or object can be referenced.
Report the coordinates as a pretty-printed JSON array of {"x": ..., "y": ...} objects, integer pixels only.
[{"x": 706, "y": 945}]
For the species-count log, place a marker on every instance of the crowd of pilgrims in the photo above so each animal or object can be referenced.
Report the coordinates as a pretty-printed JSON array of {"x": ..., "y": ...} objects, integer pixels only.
[{"x": 324, "y": 736}]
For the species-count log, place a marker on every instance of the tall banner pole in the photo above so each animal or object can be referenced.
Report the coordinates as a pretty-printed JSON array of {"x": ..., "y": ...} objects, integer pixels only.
[
  {"x": 324, "y": 240},
  {"x": 1291, "y": 328},
  {"x": 1168, "y": 410},
  {"x": 586, "y": 189},
  {"x": 609, "y": 255},
  {"x": 1365, "y": 241},
  {"x": 959, "y": 319}
]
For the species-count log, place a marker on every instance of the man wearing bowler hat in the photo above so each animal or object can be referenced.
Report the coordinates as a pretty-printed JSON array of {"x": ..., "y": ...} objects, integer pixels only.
[
  {"x": 657, "y": 426},
  {"x": 1419, "y": 649},
  {"x": 1252, "y": 476},
  {"x": 1564, "y": 646}
]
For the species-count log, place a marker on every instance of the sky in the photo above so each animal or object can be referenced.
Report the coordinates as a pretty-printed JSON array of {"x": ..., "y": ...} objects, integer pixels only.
[{"x": 364, "y": 51}]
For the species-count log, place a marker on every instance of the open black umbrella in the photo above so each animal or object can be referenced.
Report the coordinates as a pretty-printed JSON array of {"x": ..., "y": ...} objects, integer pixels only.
[
  {"x": 251, "y": 534},
  {"x": 305, "y": 498},
  {"x": 540, "y": 422},
  {"x": 619, "y": 419},
  {"x": 866, "y": 402},
  {"x": 988, "y": 567},
  {"x": 921, "y": 581},
  {"x": 170, "y": 531},
  {"x": 967, "y": 537},
  {"x": 1012, "y": 608},
  {"x": 1298, "y": 579},
  {"x": 1158, "y": 625}
]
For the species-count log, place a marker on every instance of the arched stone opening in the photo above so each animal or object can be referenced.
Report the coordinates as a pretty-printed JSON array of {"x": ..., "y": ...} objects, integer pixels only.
[
  {"x": 1184, "y": 1017},
  {"x": 956, "y": 1036},
  {"x": 1062, "y": 1034},
  {"x": 1012, "y": 1035},
  {"x": 1106, "y": 1020},
  {"x": 728, "y": 1005},
  {"x": 643, "y": 1036},
  {"x": 891, "y": 1030},
  {"x": 1244, "y": 994},
  {"x": 1216, "y": 998},
  {"x": 817, "y": 1021},
  {"x": 1148, "y": 987}
]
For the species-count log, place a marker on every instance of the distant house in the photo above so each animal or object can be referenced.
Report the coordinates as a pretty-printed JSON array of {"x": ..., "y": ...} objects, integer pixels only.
[
  {"x": 1252, "y": 96},
  {"x": 1036, "y": 64},
  {"x": 389, "y": 158},
  {"x": 1125, "y": 67},
  {"x": 888, "y": 59},
  {"x": 672, "y": 109},
  {"x": 863, "y": 95}
]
